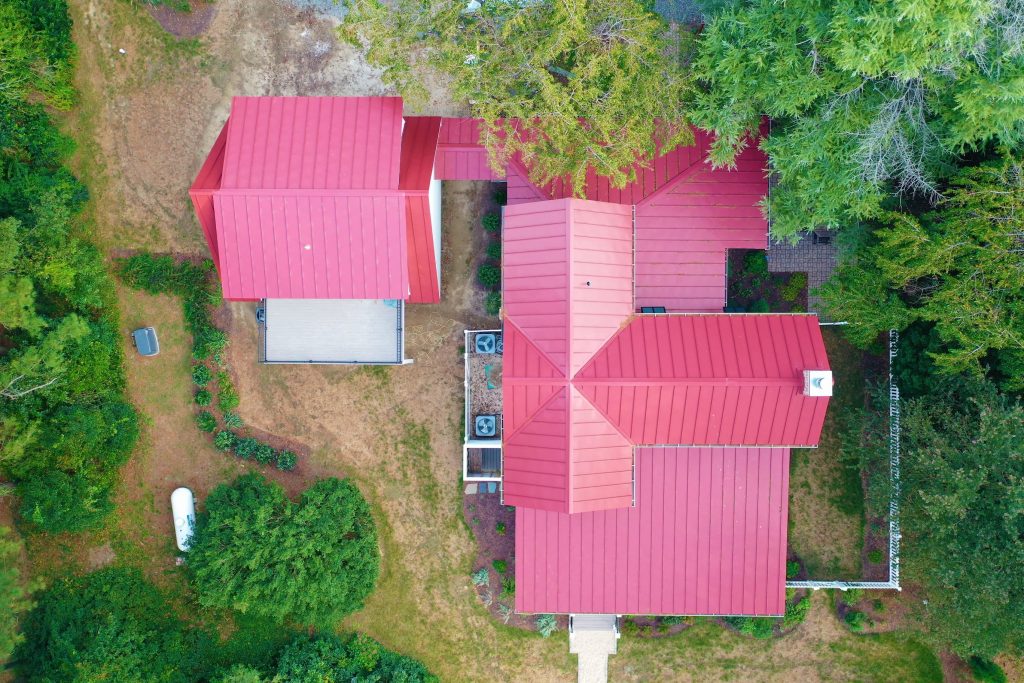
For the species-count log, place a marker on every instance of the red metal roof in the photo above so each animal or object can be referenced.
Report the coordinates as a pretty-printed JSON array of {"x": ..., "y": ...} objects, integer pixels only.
[
  {"x": 707, "y": 536},
  {"x": 460, "y": 156},
  {"x": 321, "y": 197}
]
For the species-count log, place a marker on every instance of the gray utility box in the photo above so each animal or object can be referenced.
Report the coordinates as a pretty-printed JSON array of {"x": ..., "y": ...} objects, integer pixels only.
[{"x": 145, "y": 341}]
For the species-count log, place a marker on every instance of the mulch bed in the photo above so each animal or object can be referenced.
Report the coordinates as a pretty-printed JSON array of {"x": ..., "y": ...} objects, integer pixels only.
[
  {"x": 190, "y": 24},
  {"x": 652, "y": 627},
  {"x": 483, "y": 512}
]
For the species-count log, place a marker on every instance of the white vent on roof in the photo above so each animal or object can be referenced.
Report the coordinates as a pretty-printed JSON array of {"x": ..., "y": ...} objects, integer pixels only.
[{"x": 818, "y": 382}]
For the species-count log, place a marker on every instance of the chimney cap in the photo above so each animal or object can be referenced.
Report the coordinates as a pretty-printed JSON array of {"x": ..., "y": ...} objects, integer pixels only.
[{"x": 818, "y": 382}]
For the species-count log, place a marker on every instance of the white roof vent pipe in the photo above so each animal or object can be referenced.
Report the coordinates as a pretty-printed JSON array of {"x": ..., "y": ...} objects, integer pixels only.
[{"x": 818, "y": 383}]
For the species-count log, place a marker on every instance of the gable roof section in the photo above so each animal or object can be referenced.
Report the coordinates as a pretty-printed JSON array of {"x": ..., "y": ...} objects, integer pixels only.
[
  {"x": 419, "y": 142},
  {"x": 715, "y": 380},
  {"x": 460, "y": 155},
  {"x": 707, "y": 536}
]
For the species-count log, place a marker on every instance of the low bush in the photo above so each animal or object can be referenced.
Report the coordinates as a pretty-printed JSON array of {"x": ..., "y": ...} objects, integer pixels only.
[
  {"x": 201, "y": 375},
  {"x": 203, "y": 398},
  {"x": 508, "y": 588},
  {"x": 264, "y": 454},
  {"x": 790, "y": 291},
  {"x": 500, "y": 194},
  {"x": 546, "y": 624},
  {"x": 500, "y": 528},
  {"x": 755, "y": 262},
  {"x": 224, "y": 440},
  {"x": 856, "y": 620},
  {"x": 227, "y": 397},
  {"x": 494, "y": 251},
  {"x": 492, "y": 303},
  {"x": 792, "y": 569},
  {"x": 500, "y": 566},
  {"x": 673, "y": 620},
  {"x": 986, "y": 671},
  {"x": 489, "y": 276},
  {"x": 491, "y": 222},
  {"x": 57, "y": 502},
  {"x": 246, "y": 448},
  {"x": 481, "y": 577},
  {"x": 287, "y": 460},
  {"x": 876, "y": 556},
  {"x": 796, "y": 612},
  {"x": 760, "y": 306},
  {"x": 206, "y": 421},
  {"x": 851, "y": 597},
  {"x": 756, "y": 627},
  {"x": 233, "y": 420}
]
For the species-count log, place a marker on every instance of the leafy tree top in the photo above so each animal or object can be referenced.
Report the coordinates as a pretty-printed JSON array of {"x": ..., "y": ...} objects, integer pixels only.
[
  {"x": 356, "y": 658},
  {"x": 594, "y": 83},
  {"x": 310, "y": 562}
]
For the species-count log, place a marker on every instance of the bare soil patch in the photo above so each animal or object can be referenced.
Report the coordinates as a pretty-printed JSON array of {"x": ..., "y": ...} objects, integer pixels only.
[{"x": 189, "y": 24}]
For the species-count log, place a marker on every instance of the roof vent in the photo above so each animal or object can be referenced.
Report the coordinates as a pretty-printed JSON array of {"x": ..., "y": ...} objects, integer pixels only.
[{"x": 818, "y": 383}]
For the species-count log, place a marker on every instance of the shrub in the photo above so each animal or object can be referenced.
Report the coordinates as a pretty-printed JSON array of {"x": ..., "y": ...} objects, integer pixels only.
[
  {"x": 878, "y": 605},
  {"x": 246, "y": 448},
  {"x": 489, "y": 276},
  {"x": 233, "y": 420},
  {"x": 206, "y": 421},
  {"x": 546, "y": 624},
  {"x": 227, "y": 397},
  {"x": 326, "y": 657},
  {"x": 287, "y": 460},
  {"x": 481, "y": 577},
  {"x": 500, "y": 566},
  {"x": 856, "y": 620},
  {"x": 491, "y": 222},
  {"x": 876, "y": 556},
  {"x": 760, "y": 306},
  {"x": 792, "y": 569},
  {"x": 852, "y": 596},
  {"x": 756, "y": 627},
  {"x": 500, "y": 194},
  {"x": 54, "y": 501},
  {"x": 508, "y": 588},
  {"x": 201, "y": 375},
  {"x": 500, "y": 528},
  {"x": 310, "y": 562},
  {"x": 224, "y": 440},
  {"x": 792, "y": 289},
  {"x": 492, "y": 303},
  {"x": 203, "y": 398},
  {"x": 755, "y": 262},
  {"x": 494, "y": 251},
  {"x": 986, "y": 671},
  {"x": 264, "y": 454},
  {"x": 796, "y": 612},
  {"x": 673, "y": 620}
]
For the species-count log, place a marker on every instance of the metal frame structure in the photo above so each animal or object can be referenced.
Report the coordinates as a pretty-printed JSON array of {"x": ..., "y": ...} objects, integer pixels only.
[
  {"x": 894, "y": 496},
  {"x": 468, "y": 430}
]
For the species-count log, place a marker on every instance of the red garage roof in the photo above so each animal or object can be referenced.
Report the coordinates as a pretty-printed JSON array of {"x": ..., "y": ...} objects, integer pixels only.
[
  {"x": 707, "y": 536},
  {"x": 320, "y": 197}
]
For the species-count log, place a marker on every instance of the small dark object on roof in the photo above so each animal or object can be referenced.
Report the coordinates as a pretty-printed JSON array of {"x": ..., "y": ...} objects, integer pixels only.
[{"x": 145, "y": 341}]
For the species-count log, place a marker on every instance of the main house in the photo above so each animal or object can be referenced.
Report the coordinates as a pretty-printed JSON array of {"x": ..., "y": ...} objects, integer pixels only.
[{"x": 642, "y": 434}]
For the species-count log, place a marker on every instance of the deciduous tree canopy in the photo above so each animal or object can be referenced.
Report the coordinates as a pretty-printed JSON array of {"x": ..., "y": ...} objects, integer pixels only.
[
  {"x": 594, "y": 82},
  {"x": 311, "y": 562}
]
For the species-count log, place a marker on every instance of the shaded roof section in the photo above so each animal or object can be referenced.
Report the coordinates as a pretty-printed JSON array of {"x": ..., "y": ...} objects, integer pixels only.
[
  {"x": 313, "y": 143},
  {"x": 707, "y": 536},
  {"x": 419, "y": 142},
  {"x": 460, "y": 156},
  {"x": 725, "y": 380}
]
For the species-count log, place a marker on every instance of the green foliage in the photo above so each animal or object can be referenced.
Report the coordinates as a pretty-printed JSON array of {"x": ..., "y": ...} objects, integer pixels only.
[
  {"x": 508, "y": 588},
  {"x": 492, "y": 303},
  {"x": 327, "y": 657},
  {"x": 862, "y": 96},
  {"x": 257, "y": 552},
  {"x": 760, "y": 306},
  {"x": 224, "y": 440},
  {"x": 14, "y": 598},
  {"x": 206, "y": 421},
  {"x": 481, "y": 577},
  {"x": 876, "y": 556},
  {"x": 986, "y": 671},
  {"x": 201, "y": 375},
  {"x": 796, "y": 612},
  {"x": 957, "y": 268},
  {"x": 287, "y": 460},
  {"x": 492, "y": 224},
  {"x": 245, "y": 448},
  {"x": 57, "y": 502},
  {"x": 489, "y": 276},
  {"x": 674, "y": 620},
  {"x": 856, "y": 620},
  {"x": 111, "y": 625},
  {"x": 227, "y": 397},
  {"x": 500, "y": 528},
  {"x": 600, "y": 82},
  {"x": 494, "y": 251},
  {"x": 264, "y": 454},
  {"x": 792, "y": 569},
  {"x": 546, "y": 624},
  {"x": 755, "y": 262},
  {"x": 500, "y": 566},
  {"x": 796, "y": 284},
  {"x": 756, "y": 627},
  {"x": 851, "y": 597},
  {"x": 233, "y": 421},
  {"x": 240, "y": 673},
  {"x": 203, "y": 398},
  {"x": 963, "y": 480}
]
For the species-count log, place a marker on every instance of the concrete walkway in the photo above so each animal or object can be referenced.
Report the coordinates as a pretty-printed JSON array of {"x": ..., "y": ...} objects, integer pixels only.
[{"x": 593, "y": 638}]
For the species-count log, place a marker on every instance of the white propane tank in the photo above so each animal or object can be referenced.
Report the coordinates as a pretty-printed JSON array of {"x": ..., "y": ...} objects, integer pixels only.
[{"x": 183, "y": 508}]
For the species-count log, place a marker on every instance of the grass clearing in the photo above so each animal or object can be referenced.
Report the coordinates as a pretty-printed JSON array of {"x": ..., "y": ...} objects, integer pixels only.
[{"x": 826, "y": 499}]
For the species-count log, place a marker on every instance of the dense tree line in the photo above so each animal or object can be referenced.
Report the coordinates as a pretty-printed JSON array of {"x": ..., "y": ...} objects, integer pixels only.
[{"x": 65, "y": 425}]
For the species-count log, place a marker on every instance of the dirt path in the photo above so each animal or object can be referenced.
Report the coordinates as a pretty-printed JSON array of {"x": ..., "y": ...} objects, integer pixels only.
[{"x": 146, "y": 121}]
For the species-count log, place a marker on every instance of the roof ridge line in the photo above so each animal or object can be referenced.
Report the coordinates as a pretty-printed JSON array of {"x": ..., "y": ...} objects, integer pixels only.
[
  {"x": 540, "y": 352},
  {"x": 664, "y": 189},
  {"x": 526, "y": 421}
]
